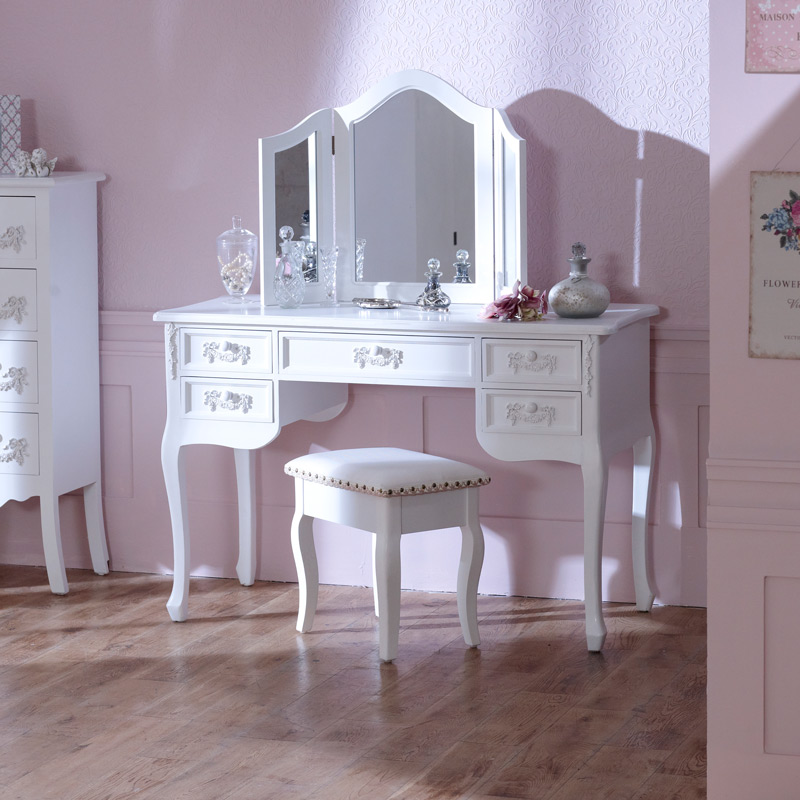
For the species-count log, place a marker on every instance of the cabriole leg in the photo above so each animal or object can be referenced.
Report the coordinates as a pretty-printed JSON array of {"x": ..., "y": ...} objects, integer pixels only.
[{"x": 245, "y": 485}]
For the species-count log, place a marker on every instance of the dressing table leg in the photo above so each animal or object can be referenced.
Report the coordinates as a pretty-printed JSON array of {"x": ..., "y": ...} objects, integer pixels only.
[
  {"x": 93, "y": 508},
  {"x": 51, "y": 539},
  {"x": 469, "y": 570},
  {"x": 644, "y": 454},
  {"x": 595, "y": 485},
  {"x": 245, "y": 485},
  {"x": 305, "y": 559},
  {"x": 173, "y": 463}
]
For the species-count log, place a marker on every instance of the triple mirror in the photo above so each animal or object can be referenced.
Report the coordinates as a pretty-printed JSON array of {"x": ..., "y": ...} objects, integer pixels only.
[{"x": 410, "y": 171}]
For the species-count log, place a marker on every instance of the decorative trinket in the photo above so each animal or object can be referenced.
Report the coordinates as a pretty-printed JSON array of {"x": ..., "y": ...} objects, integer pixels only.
[
  {"x": 35, "y": 164},
  {"x": 433, "y": 295},
  {"x": 578, "y": 296},
  {"x": 237, "y": 253}
]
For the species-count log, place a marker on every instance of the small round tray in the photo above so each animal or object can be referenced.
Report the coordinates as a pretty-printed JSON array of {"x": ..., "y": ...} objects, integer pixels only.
[{"x": 375, "y": 302}]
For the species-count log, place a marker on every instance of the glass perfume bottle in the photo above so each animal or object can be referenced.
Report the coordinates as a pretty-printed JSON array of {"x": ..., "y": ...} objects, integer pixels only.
[
  {"x": 579, "y": 296},
  {"x": 310, "y": 249},
  {"x": 433, "y": 295},
  {"x": 462, "y": 266},
  {"x": 288, "y": 284},
  {"x": 237, "y": 254}
]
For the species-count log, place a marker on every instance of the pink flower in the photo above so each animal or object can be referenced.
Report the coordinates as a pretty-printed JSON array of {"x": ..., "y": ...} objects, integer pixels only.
[
  {"x": 795, "y": 212},
  {"x": 523, "y": 303}
]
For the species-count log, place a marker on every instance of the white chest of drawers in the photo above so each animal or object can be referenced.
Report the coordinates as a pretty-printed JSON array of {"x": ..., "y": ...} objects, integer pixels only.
[
  {"x": 562, "y": 390},
  {"x": 49, "y": 361}
]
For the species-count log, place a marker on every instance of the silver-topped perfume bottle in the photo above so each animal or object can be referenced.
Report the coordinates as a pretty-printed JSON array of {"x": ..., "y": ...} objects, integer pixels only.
[
  {"x": 579, "y": 296},
  {"x": 462, "y": 266},
  {"x": 433, "y": 295}
]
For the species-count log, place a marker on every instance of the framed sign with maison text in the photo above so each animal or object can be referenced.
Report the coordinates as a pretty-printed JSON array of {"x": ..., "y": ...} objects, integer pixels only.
[
  {"x": 773, "y": 36},
  {"x": 774, "y": 265}
]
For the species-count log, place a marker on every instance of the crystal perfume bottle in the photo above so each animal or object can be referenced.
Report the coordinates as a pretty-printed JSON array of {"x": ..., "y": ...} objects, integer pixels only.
[
  {"x": 462, "y": 266},
  {"x": 579, "y": 296},
  {"x": 288, "y": 284},
  {"x": 237, "y": 254},
  {"x": 433, "y": 295},
  {"x": 309, "y": 250}
]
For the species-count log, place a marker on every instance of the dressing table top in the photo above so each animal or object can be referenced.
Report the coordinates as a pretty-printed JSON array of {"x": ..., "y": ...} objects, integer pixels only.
[{"x": 461, "y": 318}]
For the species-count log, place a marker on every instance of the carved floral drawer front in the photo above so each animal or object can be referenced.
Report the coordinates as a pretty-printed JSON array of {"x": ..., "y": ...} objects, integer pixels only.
[
  {"x": 18, "y": 372},
  {"x": 17, "y": 227},
  {"x": 216, "y": 352},
  {"x": 226, "y": 400},
  {"x": 19, "y": 443},
  {"x": 532, "y": 361},
  {"x": 18, "y": 300},
  {"x": 552, "y": 413},
  {"x": 374, "y": 356}
]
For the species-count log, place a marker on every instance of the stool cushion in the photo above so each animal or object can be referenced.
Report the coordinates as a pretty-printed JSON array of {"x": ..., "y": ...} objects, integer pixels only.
[{"x": 386, "y": 471}]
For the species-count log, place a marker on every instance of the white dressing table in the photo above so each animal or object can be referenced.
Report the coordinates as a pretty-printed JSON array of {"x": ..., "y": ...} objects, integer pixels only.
[{"x": 558, "y": 389}]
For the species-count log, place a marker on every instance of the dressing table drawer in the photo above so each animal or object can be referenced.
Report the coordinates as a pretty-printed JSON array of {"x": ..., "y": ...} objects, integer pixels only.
[
  {"x": 19, "y": 443},
  {"x": 239, "y": 401},
  {"x": 18, "y": 372},
  {"x": 18, "y": 227},
  {"x": 216, "y": 352},
  {"x": 553, "y": 413},
  {"x": 18, "y": 300},
  {"x": 382, "y": 358},
  {"x": 532, "y": 361}
]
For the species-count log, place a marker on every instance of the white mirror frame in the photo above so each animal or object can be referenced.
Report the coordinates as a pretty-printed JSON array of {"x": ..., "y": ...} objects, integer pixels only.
[
  {"x": 316, "y": 129},
  {"x": 500, "y": 255}
]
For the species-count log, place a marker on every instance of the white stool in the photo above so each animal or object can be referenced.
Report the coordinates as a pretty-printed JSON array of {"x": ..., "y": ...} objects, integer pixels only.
[{"x": 389, "y": 492}]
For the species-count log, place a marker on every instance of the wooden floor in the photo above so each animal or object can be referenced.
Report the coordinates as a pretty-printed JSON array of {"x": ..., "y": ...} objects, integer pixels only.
[{"x": 102, "y": 697}]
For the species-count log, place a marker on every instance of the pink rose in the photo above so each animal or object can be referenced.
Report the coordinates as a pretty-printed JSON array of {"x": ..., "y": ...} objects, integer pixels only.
[{"x": 795, "y": 212}]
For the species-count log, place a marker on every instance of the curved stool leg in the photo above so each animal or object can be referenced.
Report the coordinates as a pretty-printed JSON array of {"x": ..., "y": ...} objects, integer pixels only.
[
  {"x": 469, "y": 570},
  {"x": 376, "y": 599},
  {"x": 305, "y": 559},
  {"x": 387, "y": 573}
]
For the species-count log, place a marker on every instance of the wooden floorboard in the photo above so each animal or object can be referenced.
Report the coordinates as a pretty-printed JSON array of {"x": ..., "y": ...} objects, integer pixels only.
[{"x": 102, "y": 697}]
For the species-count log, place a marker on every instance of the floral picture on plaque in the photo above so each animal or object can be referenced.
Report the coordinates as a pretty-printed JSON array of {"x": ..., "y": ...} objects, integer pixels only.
[
  {"x": 774, "y": 265},
  {"x": 773, "y": 36}
]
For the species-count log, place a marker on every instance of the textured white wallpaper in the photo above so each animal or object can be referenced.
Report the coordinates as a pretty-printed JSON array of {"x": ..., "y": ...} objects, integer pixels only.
[{"x": 643, "y": 63}]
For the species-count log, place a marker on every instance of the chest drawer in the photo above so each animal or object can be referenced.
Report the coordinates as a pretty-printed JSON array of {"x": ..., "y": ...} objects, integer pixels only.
[
  {"x": 553, "y": 413},
  {"x": 17, "y": 227},
  {"x": 18, "y": 372},
  {"x": 539, "y": 362},
  {"x": 17, "y": 300},
  {"x": 229, "y": 400},
  {"x": 19, "y": 444},
  {"x": 225, "y": 352},
  {"x": 375, "y": 358}
]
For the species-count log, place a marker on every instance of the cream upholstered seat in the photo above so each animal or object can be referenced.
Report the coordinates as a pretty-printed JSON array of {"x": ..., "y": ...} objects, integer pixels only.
[{"x": 390, "y": 492}]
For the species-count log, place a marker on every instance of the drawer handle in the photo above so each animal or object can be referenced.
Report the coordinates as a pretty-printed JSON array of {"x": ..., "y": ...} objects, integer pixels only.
[
  {"x": 230, "y": 401},
  {"x": 14, "y": 237},
  {"x": 14, "y": 308},
  {"x": 15, "y": 450},
  {"x": 530, "y": 413},
  {"x": 531, "y": 362},
  {"x": 377, "y": 356},
  {"x": 230, "y": 352},
  {"x": 17, "y": 379}
]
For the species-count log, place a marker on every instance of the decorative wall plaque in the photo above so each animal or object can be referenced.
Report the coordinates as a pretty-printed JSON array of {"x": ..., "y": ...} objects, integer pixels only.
[
  {"x": 10, "y": 131},
  {"x": 775, "y": 265},
  {"x": 773, "y": 36}
]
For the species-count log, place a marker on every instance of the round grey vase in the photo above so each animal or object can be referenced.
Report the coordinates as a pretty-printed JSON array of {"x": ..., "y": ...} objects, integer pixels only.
[{"x": 578, "y": 296}]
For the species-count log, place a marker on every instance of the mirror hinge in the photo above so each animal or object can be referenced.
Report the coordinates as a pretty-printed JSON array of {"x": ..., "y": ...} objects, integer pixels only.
[{"x": 333, "y": 145}]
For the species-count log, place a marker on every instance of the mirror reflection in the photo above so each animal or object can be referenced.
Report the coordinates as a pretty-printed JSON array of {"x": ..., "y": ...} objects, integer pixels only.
[
  {"x": 414, "y": 187},
  {"x": 295, "y": 201}
]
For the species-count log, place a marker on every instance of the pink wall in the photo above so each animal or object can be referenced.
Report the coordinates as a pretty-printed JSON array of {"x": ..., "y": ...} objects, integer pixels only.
[
  {"x": 169, "y": 98},
  {"x": 754, "y": 469}
]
